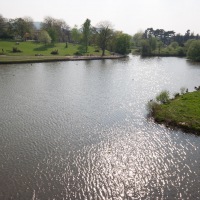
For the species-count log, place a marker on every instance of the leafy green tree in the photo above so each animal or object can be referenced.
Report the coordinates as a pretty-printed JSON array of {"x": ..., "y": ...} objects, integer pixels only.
[
  {"x": 137, "y": 38},
  {"x": 174, "y": 45},
  {"x": 57, "y": 29},
  {"x": 188, "y": 43},
  {"x": 105, "y": 32},
  {"x": 3, "y": 26},
  {"x": 44, "y": 37},
  {"x": 194, "y": 51},
  {"x": 145, "y": 47},
  {"x": 163, "y": 97},
  {"x": 20, "y": 26},
  {"x": 75, "y": 34},
  {"x": 152, "y": 43},
  {"x": 159, "y": 45},
  {"x": 122, "y": 45},
  {"x": 148, "y": 46},
  {"x": 86, "y": 33}
]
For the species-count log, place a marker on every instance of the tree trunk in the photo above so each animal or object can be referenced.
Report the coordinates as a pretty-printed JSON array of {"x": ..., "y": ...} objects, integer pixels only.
[{"x": 103, "y": 52}]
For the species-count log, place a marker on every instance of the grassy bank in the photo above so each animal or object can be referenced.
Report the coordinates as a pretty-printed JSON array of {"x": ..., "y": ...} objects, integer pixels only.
[
  {"x": 30, "y": 48},
  {"x": 30, "y": 51},
  {"x": 182, "y": 112}
]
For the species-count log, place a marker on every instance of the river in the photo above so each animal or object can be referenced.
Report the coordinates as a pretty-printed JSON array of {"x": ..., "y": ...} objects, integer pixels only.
[{"x": 78, "y": 130}]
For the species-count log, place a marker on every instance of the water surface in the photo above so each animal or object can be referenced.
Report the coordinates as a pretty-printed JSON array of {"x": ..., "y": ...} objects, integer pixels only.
[{"x": 78, "y": 130}]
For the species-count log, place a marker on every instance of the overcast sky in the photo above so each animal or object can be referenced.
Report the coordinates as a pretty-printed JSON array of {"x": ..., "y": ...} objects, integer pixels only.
[{"x": 129, "y": 16}]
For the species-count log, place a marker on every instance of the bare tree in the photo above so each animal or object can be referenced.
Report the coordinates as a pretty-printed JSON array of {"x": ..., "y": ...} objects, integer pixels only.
[{"x": 105, "y": 32}]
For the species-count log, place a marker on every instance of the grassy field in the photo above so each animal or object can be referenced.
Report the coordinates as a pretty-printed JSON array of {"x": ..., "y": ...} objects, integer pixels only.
[
  {"x": 183, "y": 112},
  {"x": 31, "y": 48}
]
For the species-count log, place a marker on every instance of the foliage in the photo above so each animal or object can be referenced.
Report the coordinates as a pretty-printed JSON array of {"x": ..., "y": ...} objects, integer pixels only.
[
  {"x": 163, "y": 97},
  {"x": 152, "y": 106},
  {"x": 20, "y": 26},
  {"x": 137, "y": 38},
  {"x": 104, "y": 32},
  {"x": 174, "y": 45},
  {"x": 194, "y": 51},
  {"x": 56, "y": 28},
  {"x": 122, "y": 44},
  {"x": 76, "y": 35},
  {"x": 16, "y": 50},
  {"x": 54, "y": 52},
  {"x": 78, "y": 53},
  {"x": 183, "y": 90},
  {"x": 44, "y": 37},
  {"x": 86, "y": 33}
]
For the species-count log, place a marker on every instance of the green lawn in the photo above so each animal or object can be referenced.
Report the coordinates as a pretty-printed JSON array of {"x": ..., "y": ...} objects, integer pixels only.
[
  {"x": 183, "y": 111},
  {"x": 31, "y": 48}
]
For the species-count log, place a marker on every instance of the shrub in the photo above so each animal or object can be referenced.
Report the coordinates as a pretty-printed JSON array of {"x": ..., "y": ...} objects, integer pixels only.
[
  {"x": 54, "y": 52},
  {"x": 78, "y": 53},
  {"x": 194, "y": 50},
  {"x": 16, "y": 50},
  {"x": 176, "y": 95},
  {"x": 180, "y": 51},
  {"x": 152, "y": 106},
  {"x": 183, "y": 90},
  {"x": 163, "y": 97}
]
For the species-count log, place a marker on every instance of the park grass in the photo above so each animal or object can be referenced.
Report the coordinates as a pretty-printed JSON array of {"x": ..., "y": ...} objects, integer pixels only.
[
  {"x": 30, "y": 48},
  {"x": 182, "y": 112}
]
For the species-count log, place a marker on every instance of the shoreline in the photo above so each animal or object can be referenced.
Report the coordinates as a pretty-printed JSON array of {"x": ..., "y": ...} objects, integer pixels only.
[
  {"x": 182, "y": 113},
  {"x": 40, "y": 59}
]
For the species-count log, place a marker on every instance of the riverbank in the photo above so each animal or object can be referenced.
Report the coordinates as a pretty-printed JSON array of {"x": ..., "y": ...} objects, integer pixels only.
[
  {"x": 181, "y": 112},
  {"x": 38, "y": 59}
]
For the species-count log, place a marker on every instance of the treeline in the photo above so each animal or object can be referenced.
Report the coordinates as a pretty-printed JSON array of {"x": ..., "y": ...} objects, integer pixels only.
[
  {"x": 159, "y": 42},
  {"x": 56, "y": 30}
]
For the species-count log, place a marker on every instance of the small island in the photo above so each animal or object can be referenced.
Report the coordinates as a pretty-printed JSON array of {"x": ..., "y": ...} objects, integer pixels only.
[{"x": 183, "y": 111}]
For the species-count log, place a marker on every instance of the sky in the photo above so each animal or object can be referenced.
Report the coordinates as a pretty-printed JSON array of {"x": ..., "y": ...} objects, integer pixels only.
[{"x": 129, "y": 16}]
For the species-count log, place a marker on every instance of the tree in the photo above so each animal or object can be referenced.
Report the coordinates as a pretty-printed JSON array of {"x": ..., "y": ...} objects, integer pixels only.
[
  {"x": 137, "y": 39},
  {"x": 174, "y": 45},
  {"x": 86, "y": 33},
  {"x": 75, "y": 34},
  {"x": 57, "y": 29},
  {"x": 194, "y": 51},
  {"x": 20, "y": 26},
  {"x": 3, "y": 26},
  {"x": 122, "y": 45},
  {"x": 152, "y": 43},
  {"x": 159, "y": 45},
  {"x": 145, "y": 47},
  {"x": 44, "y": 37},
  {"x": 104, "y": 31}
]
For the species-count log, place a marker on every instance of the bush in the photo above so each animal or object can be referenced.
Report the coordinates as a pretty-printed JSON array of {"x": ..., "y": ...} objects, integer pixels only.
[
  {"x": 163, "y": 97},
  {"x": 180, "y": 51},
  {"x": 54, "y": 52},
  {"x": 16, "y": 50},
  {"x": 194, "y": 50},
  {"x": 183, "y": 90},
  {"x": 96, "y": 50},
  {"x": 176, "y": 95},
  {"x": 78, "y": 53},
  {"x": 152, "y": 106}
]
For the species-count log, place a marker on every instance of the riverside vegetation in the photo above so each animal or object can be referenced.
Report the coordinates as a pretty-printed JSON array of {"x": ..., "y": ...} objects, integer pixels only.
[
  {"x": 55, "y": 37},
  {"x": 182, "y": 111},
  {"x": 159, "y": 42}
]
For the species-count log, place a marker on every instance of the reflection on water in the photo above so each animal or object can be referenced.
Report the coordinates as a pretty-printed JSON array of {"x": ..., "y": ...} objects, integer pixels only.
[{"x": 78, "y": 130}]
